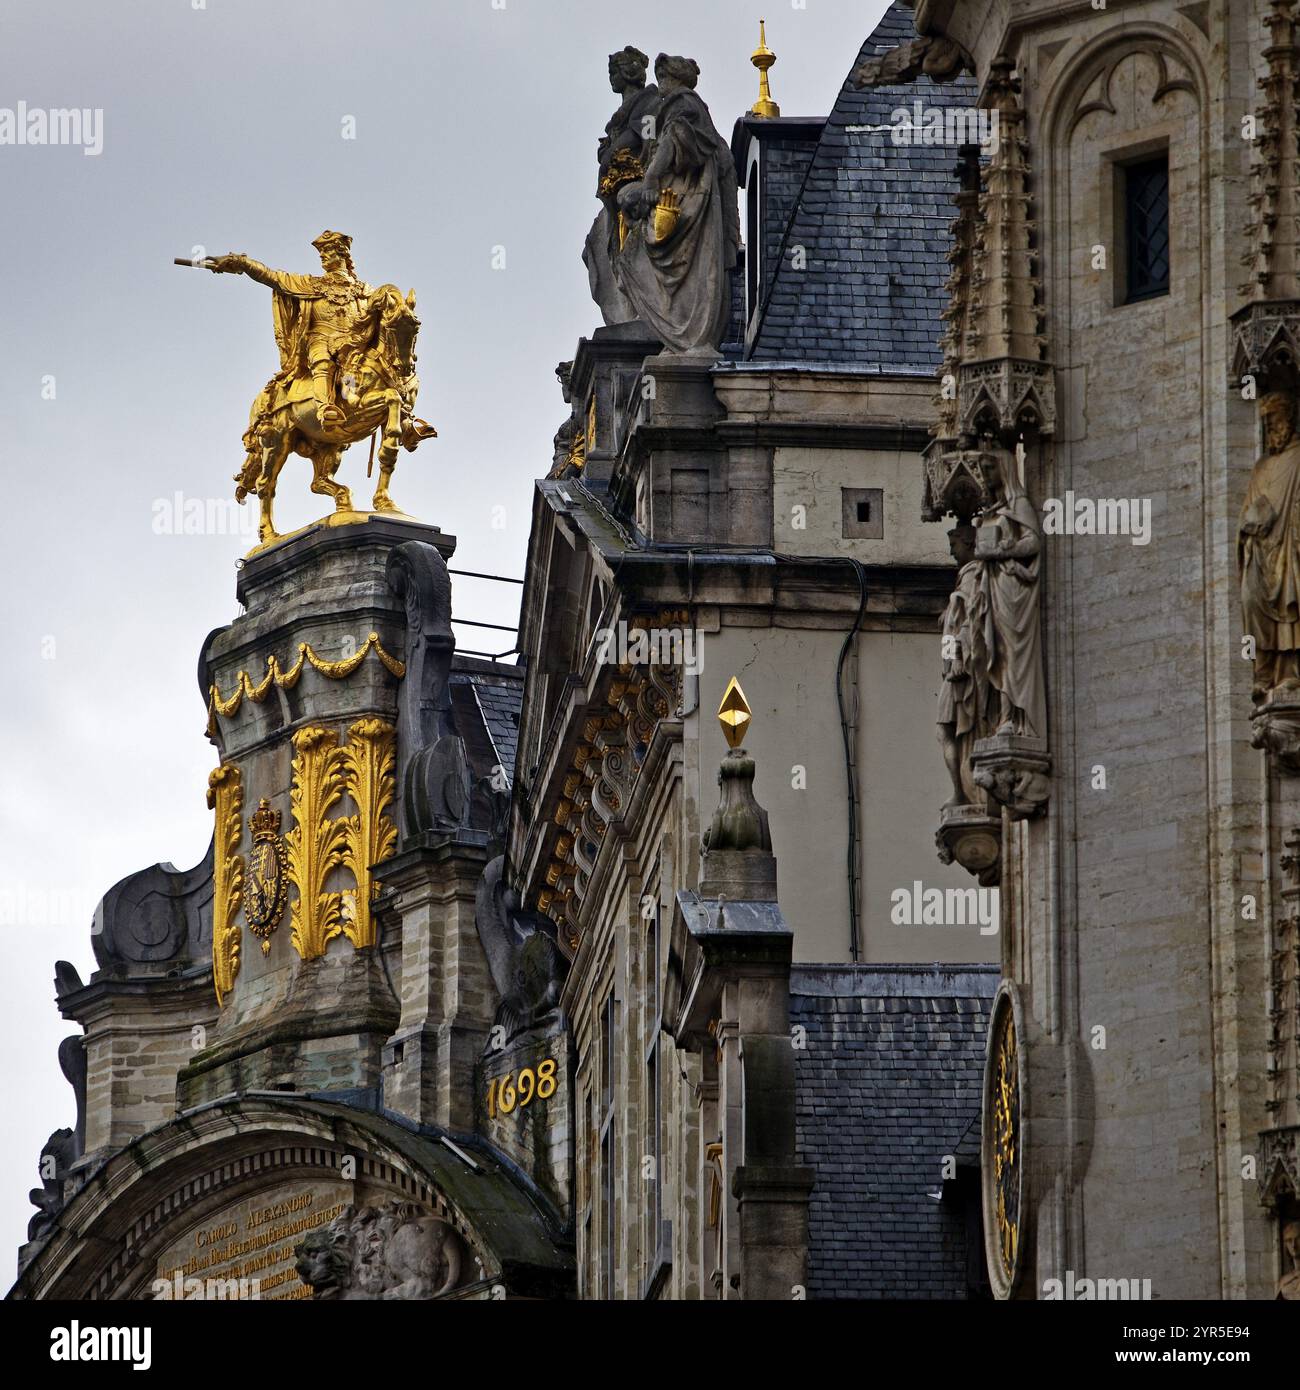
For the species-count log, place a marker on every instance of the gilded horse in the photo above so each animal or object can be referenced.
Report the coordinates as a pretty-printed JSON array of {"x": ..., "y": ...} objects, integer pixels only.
[{"x": 376, "y": 392}]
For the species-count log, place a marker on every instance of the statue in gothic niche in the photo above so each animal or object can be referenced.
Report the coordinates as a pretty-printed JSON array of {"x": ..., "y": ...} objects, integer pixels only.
[
  {"x": 621, "y": 156},
  {"x": 674, "y": 229},
  {"x": 1268, "y": 551},
  {"x": 963, "y": 695},
  {"x": 1008, "y": 546},
  {"x": 1288, "y": 1287}
]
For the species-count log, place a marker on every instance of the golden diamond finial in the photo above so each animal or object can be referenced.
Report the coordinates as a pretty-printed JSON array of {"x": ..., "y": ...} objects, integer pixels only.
[
  {"x": 762, "y": 59},
  {"x": 734, "y": 713}
]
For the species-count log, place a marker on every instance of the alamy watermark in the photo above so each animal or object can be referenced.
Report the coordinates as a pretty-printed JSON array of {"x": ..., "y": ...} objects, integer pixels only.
[
  {"x": 1073, "y": 1288},
  {"x": 919, "y": 906},
  {"x": 179, "y": 515},
  {"x": 1101, "y": 516},
  {"x": 191, "y": 1290},
  {"x": 922, "y": 124},
  {"x": 77, "y": 1343},
  {"x": 622, "y": 645},
  {"x": 64, "y": 125}
]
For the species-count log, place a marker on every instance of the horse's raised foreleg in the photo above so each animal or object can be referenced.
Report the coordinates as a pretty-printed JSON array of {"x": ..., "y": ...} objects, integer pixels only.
[
  {"x": 246, "y": 478},
  {"x": 392, "y": 440},
  {"x": 324, "y": 466}
]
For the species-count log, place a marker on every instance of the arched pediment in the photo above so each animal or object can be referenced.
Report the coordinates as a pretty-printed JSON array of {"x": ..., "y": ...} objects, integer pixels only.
[{"x": 230, "y": 1189}]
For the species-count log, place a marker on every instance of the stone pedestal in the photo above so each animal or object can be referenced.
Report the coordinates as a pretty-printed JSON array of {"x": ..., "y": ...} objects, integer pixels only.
[
  {"x": 971, "y": 837},
  {"x": 1275, "y": 727},
  {"x": 447, "y": 996},
  {"x": 734, "y": 1001},
  {"x": 601, "y": 388},
  {"x": 672, "y": 476},
  {"x": 303, "y": 707}
]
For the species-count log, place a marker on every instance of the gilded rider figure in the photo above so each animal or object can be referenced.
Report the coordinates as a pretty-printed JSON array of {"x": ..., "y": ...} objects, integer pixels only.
[
  {"x": 347, "y": 373},
  {"x": 316, "y": 316},
  {"x": 1268, "y": 551}
]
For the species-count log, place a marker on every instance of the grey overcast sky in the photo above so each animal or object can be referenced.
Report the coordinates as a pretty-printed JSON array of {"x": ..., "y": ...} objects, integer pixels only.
[{"x": 125, "y": 380}]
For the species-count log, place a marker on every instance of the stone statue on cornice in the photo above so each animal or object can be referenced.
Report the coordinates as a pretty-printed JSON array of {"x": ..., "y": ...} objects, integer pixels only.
[
  {"x": 621, "y": 158},
  {"x": 680, "y": 226}
]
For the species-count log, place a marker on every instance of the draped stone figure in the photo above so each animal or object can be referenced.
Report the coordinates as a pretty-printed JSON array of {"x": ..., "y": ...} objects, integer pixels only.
[
  {"x": 1008, "y": 545},
  {"x": 1268, "y": 551},
  {"x": 964, "y": 693},
  {"x": 681, "y": 220},
  {"x": 1288, "y": 1287},
  {"x": 621, "y": 157}
]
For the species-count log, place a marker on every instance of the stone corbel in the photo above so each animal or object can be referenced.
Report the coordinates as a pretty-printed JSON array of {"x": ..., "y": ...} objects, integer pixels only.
[
  {"x": 1275, "y": 727},
  {"x": 971, "y": 837},
  {"x": 1015, "y": 771}
]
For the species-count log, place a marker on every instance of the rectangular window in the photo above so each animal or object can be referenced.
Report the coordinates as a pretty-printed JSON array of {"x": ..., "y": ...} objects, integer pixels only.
[{"x": 1146, "y": 228}]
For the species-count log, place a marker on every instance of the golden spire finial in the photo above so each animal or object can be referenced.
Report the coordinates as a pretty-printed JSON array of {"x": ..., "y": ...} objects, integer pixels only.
[
  {"x": 762, "y": 59},
  {"x": 734, "y": 713}
]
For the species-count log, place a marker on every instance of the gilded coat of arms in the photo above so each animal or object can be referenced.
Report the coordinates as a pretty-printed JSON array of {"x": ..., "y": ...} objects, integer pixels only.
[{"x": 268, "y": 881}]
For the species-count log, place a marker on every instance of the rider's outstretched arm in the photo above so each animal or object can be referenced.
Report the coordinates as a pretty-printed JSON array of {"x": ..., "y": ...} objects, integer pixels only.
[{"x": 281, "y": 280}]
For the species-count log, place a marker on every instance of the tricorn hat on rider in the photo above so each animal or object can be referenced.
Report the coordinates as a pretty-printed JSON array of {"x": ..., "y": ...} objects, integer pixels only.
[{"x": 334, "y": 241}]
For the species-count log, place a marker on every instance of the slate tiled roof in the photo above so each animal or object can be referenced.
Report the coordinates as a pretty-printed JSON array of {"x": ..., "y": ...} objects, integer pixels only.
[
  {"x": 874, "y": 219},
  {"x": 888, "y": 1083},
  {"x": 486, "y": 697}
]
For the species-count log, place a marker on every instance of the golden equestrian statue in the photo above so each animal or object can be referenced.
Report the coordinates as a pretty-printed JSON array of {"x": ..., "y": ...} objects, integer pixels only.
[{"x": 347, "y": 371}]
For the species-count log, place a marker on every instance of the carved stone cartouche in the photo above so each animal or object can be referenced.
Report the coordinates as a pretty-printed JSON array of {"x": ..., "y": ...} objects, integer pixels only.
[{"x": 396, "y": 1250}]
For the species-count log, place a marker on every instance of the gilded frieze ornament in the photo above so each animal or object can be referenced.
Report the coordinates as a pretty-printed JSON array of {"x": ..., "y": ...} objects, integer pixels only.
[
  {"x": 268, "y": 875},
  {"x": 286, "y": 678},
  {"x": 225, "y": 797},
  {"x": 316, "y": 844},
  {"x": 371, "y": 835}
]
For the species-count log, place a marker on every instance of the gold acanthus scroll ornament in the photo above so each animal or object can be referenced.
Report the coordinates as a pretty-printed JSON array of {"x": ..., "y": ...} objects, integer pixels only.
[
  {"x": 225, "y": 797},
  {"x": 323, "y": 773}
]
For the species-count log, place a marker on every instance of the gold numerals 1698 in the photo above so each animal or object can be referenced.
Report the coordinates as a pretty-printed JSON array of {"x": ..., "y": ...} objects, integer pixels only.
[{"x": 505, "y": 1094}]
